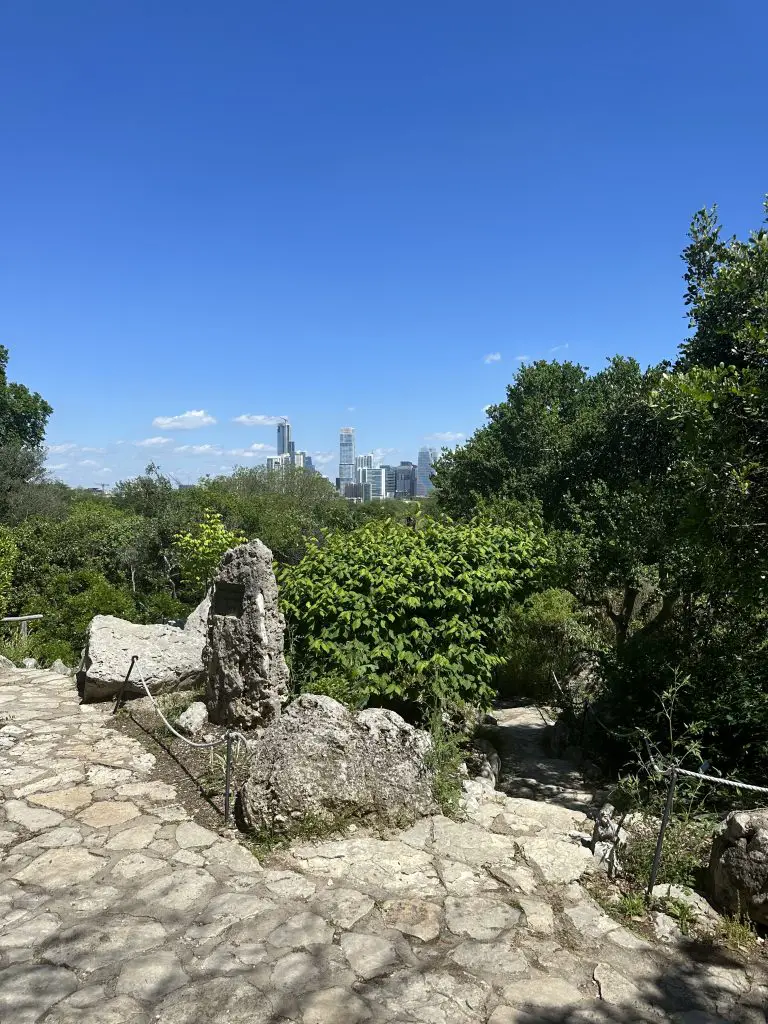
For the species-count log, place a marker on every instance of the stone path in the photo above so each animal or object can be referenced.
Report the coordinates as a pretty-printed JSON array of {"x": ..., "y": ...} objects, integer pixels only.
[{"x": 116, "y": 908}]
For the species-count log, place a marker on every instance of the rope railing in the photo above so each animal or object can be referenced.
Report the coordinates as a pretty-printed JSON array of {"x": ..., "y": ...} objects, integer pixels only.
[
  {"x": 670, "y": 772},
  {"x": 227, "y": 738}
]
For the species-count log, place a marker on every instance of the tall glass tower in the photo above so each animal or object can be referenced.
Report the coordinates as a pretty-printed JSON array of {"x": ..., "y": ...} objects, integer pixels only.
[
  {"x": 283, "y": 437},
  {"x": 427, "y": 459},
  {"x": 346, "y": 455}
]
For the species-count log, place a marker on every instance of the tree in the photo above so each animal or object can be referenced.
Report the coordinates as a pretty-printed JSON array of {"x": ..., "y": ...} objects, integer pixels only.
[
  {"x": 23, "y": 417},
  {"x": 587, "y": 454},
  {"x": 200, "y": 549},
  {"x": 23, "y": 413}
]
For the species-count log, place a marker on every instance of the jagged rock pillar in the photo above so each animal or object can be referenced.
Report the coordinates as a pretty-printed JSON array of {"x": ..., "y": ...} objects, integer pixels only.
[{"x": 246, "y": 676}]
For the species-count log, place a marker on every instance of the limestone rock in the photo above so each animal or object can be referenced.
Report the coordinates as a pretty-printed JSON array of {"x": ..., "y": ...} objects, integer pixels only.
[
  {"x": 194, "y": 719},
  {"x": 60, "y": 668},
  {"x": 704, "y": 915},
  {"x": 245, "y": 671},
  {"x": 6, "y": 662},
  {"x": 320, "y": 759},
  {"x": 169, "y": 658},
  {"x": 30, "y": 663},
  {"x": 738, "y": 865}
]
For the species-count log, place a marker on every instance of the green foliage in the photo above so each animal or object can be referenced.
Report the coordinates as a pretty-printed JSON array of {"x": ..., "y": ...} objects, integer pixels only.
[
  {"x": 541, "y": 637},
  {"x": 68, "y": 602},
  {"x": 631, "y": 905},
  {"x": 8, "y": 555},
  {"x": 200, "y": 549},
  {"x": 445, "y": 758},
  {"x": 23, "y": 413},
  {"x": 685, "y": 852},
  {"x": 407, "y": 613}
]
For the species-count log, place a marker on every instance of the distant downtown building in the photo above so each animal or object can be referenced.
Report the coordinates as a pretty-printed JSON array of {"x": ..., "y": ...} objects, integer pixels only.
[
  {"x": 284, "y": 440},
  {"x": 346, "y": 457},
  {"x": 427, "y": 459},
  {"x": 287, "y": 455}
]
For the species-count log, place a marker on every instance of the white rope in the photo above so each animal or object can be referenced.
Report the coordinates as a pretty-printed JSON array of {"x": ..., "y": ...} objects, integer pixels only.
[
  {"x": 721, "y": 782},
  {"x": 200, "y": 746}
]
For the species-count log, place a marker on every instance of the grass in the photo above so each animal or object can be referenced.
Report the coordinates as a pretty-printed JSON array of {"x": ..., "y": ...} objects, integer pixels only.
[
  {"x": 632, "y": 905},
  {"x": 310, "y": 828},
  {"x": 172, "y": 705},
  {"x": 738, "y": 935}
]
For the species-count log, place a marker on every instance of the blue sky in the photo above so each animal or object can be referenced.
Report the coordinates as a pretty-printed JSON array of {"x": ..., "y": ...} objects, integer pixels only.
[{"x": 338, "y": 211}]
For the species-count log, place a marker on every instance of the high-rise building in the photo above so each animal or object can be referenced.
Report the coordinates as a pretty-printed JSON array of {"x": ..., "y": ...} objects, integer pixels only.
[
  {"x": 427, "y": 459},
  {"x": 364, "y": 462},
  {"x": 284, "y": 440},
  {"x": 405, "y": 480},
  {"x": 346, "y": 456}
]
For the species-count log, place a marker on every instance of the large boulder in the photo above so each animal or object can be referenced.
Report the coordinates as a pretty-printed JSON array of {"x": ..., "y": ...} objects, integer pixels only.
[
  {"x": 170, "y": 658},
  {"x": 320, "y": 760},
  {"x": 738, "y": 865},
  {"x": 246, "y": 675}
]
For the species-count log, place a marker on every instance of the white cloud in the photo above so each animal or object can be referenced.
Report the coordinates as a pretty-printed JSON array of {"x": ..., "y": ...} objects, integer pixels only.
[
  {"x": 444, "y": 435},
  {"x": 322, "y": 458},
  {"x": 252, "y": 451},
  {"x": 88, "y": 462},
  {"x": 190, "y": 420},
  {"x": 492, "y": 357},
  {"x": 351, "y": 408},
  {"x": 199, "y": 449},
  {"x": 153, "y": 442},
  {"x": 486, "y": 408},
  {"x": 522, "y": 359},
  {"x": 86, "y": 448},
  {"x": 60, "y": 449},
  {"x": 250, "y": 419},
  {"x": 58, "y": 465},
  {"x": 380, "y": 454},
  {"x": 558, "y": 348}
]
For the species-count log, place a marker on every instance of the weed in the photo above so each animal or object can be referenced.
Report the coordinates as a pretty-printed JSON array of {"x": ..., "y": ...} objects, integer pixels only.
[
  {"x": 737, "y": 934},
  {"x": 684, "y": 854},
  {"x": 682, "y": 912},
  {"x": 214, "y": 779},
  {"x": 631, "y": 904},
  {"x": 444, "y": 758}
]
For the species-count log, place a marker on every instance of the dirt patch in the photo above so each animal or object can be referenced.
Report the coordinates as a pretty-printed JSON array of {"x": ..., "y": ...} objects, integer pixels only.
[{"x": 198, "y": 775}]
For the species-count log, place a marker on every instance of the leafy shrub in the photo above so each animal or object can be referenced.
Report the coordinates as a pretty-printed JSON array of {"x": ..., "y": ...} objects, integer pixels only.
[
  {"x": 8, "y": 555},
  {"x": 199, "y": 550},
  {"x": 542, "y": 635},
  {"x": 68, "y": 604},
  {"x": 407, "y": 612}
]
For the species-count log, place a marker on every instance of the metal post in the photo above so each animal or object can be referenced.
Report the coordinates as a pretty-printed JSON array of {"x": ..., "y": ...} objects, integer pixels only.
[
  {"x": 662, "y": 830},
  {"x": 228, "y": 778},
  {"x": 119, "y": 700}
]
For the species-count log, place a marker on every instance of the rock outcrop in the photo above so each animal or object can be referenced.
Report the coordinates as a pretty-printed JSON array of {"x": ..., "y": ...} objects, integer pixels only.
[
  {"x": 246, "y": 675},
  {"x": 170, "y": 658},
  {"x": 321, "y": 760},
  {"x": 738, "y": 864}
]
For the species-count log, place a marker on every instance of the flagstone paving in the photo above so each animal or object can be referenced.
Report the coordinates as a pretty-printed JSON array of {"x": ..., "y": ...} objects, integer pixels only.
[{"x": 117, "y": 908}]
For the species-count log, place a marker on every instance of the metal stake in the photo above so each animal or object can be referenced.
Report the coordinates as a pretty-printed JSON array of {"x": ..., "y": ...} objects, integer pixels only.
[
  {"x": 662, "y": 830},
  {"x": 119, "y": 700},
  {"x": 228, "y": 778}
]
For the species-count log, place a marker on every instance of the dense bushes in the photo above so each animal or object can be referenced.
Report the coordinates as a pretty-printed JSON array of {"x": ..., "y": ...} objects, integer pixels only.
[
  {"x": 651, "y": 486},
  {"x": 398, "y": 613}
]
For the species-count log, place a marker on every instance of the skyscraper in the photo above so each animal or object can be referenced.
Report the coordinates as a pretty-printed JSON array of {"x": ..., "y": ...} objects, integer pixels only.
[
  {"x": 284, "y": 440},
  {"x": 405, "y": 480},
  {"x": 346, "y": 456},
  {"x": 427, "y": 459}
]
